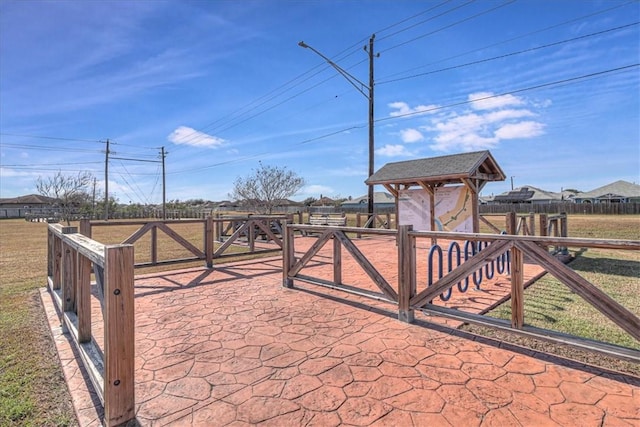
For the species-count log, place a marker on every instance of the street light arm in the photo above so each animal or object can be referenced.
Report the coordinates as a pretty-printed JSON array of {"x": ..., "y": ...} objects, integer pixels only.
[{"x": 351, "y": 79}]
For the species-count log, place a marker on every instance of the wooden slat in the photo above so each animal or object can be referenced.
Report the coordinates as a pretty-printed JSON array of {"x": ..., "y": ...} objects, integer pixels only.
[
  {"x": 468, "y": 267},
  {"x": 489, "y": 224},
  {"x": 313, "y": 250},
  {"x": 119, "y": 340},
  {"x": 581, "y": 286},
  {"x": 368, "y": 268},
  {"x": 345, "y": 288},
  {"x": 533, "y": 332},
  {"x": 406, "y": 273},
  {"x": 208, "y": 242},
  {"x": 629, "y": 245},
  {"x": 139, "y": 233},
  {"x": 69, "y": 278},
  {"x": 181, "y": 240},
  {"x": 243, "y": 228},
  {"x": 337, "y": 261},
  {"x": 266, "y": 228},
  {"x": 288, "y": 256},
  {"x": 517, "y": 288},
  {"x": 83, "y": 293}
]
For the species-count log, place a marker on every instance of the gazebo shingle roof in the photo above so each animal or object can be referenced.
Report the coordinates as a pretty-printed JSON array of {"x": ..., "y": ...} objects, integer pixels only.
[{"x": 450, "y": 167}]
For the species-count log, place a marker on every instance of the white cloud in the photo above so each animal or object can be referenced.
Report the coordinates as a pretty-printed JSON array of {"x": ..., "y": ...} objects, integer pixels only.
[
  {"x": 409, "y": 136},
  {"x": 184, "y": 135},
  {"x": 489, "y": 101},
  {"x": 520, "y": 130},
  {"x": 390, "y": 150},
  {"x": 403, "y": 109},
  {"x": 491, "y": 121}
]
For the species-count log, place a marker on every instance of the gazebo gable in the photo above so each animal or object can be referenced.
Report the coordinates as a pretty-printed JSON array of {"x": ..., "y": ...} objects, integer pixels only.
[{"x": 473, "y": 170}]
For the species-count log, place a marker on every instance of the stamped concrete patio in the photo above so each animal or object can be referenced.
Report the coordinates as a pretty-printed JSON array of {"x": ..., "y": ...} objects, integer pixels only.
[{"x": 231, "y": 346}]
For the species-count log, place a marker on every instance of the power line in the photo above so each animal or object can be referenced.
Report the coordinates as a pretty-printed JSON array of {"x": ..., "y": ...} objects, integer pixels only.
[
  {"x": 506, "y": 55},
  {"x": 47, "y": 148},
  {"x": 51, "y": 137},
  {"x": 429, "y": 110},
  {"x": 511, "y": 92},
  {"x": 538, "y": 31},
  {"x": 37, "y": 165},
  {"x": 448, "y": 26}
]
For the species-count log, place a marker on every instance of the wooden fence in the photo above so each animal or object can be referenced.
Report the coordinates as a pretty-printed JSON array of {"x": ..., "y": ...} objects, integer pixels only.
[
  {"x": 219, "y": 234},
  {"x": 567, "y": 207},
  {"x": 407, "y": 300},
  {"x": 69, "y": 267}
]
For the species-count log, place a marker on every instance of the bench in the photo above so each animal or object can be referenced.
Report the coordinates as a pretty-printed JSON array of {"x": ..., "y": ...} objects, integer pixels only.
[{"x": 328, "y": 219}]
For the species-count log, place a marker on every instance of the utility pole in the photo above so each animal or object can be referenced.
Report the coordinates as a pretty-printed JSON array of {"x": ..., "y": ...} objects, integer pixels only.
[
  {"x": 106, "y": 183},
  {"x": 93, "y": 200},
  {"x": 164, "y": 185},
  {"x": 370, "y": 192},
  {"x": 369, "y": 95}
]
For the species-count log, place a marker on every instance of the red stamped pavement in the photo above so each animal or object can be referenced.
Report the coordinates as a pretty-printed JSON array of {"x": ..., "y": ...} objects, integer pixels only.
[{"x": 231, "y": 346}]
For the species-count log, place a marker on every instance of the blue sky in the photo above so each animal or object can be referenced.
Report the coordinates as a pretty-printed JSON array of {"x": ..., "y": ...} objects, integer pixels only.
[{"x": 552, "y": 88}]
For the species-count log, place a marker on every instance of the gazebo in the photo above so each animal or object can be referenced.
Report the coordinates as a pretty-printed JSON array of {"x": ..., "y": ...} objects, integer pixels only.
[{"x": 439, "y": 193}]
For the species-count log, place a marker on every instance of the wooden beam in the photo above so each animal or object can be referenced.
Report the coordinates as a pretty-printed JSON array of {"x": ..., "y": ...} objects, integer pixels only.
[
  {"x": 313, "y": 250},
  {"x": 119, "y": 340},
  {"x": 367, "y": 266},
  {"x": 392, "y": 190},
  {"x": 406, "y": 273},
  {"x": 517, "y": 288},
  {"x": 467, "y": 268},
  {"x": 181, "y": 240},
  {"x": 590, "y": 293},
  {"x": 83, "y": 300}
]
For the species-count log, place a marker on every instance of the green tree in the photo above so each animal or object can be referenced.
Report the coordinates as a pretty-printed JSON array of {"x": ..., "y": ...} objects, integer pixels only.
[{"x": 265, "y": 187}]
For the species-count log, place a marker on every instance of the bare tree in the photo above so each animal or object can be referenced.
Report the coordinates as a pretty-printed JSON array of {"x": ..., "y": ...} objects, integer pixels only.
[
  {"x": 266, "y": 187},
  {"x": 69, "y": 191}
]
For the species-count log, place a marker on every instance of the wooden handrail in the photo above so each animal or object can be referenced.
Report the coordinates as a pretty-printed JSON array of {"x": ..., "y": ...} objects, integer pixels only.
[{"x": 70, "y": 258}]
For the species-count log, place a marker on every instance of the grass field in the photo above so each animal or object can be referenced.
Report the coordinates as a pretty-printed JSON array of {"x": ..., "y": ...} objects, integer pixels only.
[{"x": 32, "y": 390}]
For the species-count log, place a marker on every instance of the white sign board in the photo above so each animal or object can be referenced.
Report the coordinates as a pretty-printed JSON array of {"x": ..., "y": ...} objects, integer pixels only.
[{"x": 454, "y": 210}]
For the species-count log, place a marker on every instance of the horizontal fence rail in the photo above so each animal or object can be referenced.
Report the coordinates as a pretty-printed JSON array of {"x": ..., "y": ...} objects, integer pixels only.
[
  {"x": 71, "y": 258},
  {"x": 493, "y": 254},
  {"x": 219, "y": 235}
]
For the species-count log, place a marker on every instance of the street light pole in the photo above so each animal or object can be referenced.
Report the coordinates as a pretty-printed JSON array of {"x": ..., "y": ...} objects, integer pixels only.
[{"x": 369, "y": 95}]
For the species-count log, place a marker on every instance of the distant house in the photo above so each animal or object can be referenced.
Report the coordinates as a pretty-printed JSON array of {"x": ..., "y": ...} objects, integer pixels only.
[
  {"x": 527, "y": 194},
  {"x": 381, "y": 200},
  {"x": 19, "y": 207},
  {"x": 616, "y": 192},
  {"x": 29, "y": 201}
]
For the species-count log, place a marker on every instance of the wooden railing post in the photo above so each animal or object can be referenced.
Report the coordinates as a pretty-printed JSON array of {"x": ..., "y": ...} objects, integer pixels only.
[
  {"x": 83, "y": 297},
  {"x": 288, "y": 255},
  {"x": 154, "y": 245},
  {"x": 69, "y": 278},
  {"x": 208, "y": 241},
  {"x": 251, "y": 233},
  {"x": 511, "y": 223},
  {"x": 217, "y": 227},
  {"x": 532, "y": 224},
  {"x": 69, "y": 273},
  {"x": 119, "y": 339},
  {"x": 544, "y": 224},
  {"x": 406, "y": 273},
  {"x": 85, "y": 227},
  {"x": 337, "y": 261},
  {"x": 50, "y": 252},
  {"x": 517, "y": 288},
  {"x": 358, "y": 224},
  {"x": 57, "y": 262}
]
